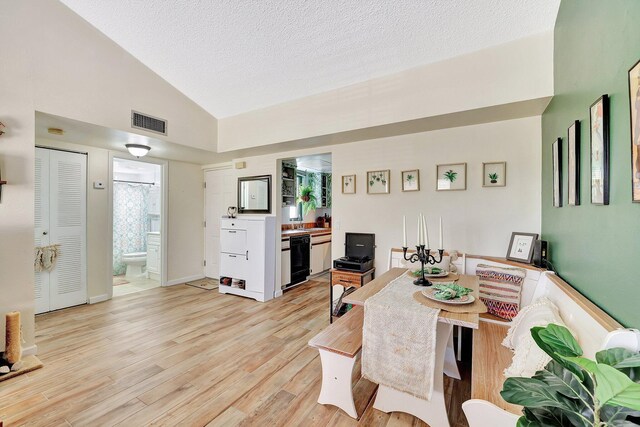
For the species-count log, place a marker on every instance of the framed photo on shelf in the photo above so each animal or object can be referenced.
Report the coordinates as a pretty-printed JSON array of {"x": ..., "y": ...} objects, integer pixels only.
[
  {"x": 451, "y": 177},
  {"x": 378, "y": 182},
  {"x": 557, "y": 173},
  {"x": 494, "y": 174},
  {"x": 521, "y": 247},
  {"x": 634, "y": 109},
  {"x": 411, "y": 180},
  {"x": 599, "y": 130},
  {"x": 573, "y": 149},
  {"x": 348, "y": 184}
]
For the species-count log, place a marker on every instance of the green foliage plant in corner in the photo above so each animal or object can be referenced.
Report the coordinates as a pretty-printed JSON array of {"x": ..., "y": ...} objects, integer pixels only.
[
  {"x": 307, "y": 197},
  {"x": 575, "y": 391}
]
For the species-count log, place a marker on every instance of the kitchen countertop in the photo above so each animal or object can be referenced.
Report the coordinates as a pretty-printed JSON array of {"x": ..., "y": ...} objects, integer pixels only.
[{"x": 312, "y": 231}]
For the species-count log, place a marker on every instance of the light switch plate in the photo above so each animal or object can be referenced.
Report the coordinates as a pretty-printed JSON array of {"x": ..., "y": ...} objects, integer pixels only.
[{"x": 98, "y": 185}]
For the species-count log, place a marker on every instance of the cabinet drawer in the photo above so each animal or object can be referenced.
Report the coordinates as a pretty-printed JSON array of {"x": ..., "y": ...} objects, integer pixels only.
[
  {"x": 233, "y": 241},
  {"x": 233, "y": 265},
  {"x": 344, "y": 279},
  {"x": 233, "y": 223}
]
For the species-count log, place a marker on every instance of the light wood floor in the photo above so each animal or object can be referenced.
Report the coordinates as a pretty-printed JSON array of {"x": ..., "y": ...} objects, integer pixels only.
[{"x": 182, "y": 356}]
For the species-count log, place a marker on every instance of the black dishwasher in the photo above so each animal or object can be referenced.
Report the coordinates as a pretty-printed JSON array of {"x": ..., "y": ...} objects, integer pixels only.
[{"x": 300, "y": 258}]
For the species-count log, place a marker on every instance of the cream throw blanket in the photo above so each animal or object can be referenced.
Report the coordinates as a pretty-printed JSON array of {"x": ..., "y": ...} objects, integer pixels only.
[{"x": 399, "y": 339}]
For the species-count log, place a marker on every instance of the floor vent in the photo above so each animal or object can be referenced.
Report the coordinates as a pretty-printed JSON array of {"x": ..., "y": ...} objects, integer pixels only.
[{"x": 146, "y": 122}]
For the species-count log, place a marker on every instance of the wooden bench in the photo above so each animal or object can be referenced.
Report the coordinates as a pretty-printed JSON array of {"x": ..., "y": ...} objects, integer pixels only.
[
  {"x": 595, "y": 330},
  {"x": 340, "y": 346}
]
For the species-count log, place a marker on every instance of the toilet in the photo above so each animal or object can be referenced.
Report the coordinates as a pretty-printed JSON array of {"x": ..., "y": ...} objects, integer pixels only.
[{"x": 135, "y": 262}]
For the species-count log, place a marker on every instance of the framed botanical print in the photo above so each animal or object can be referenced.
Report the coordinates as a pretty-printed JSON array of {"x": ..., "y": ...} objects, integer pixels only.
[
  {"x": 521, "y": 247},
  {"x": 411, "y": 180},
  {"x": 557, "y": 173},
  {"x": 599, "y": 130},
  {"x": 451, "y": 177},
  {"x": 348, "y": 184},
  {"x": 378, "y": 182},
  {"x": 573, "y": 149},
  {"x": 494, "y": 174},
  {"x": 634, "y": 109}
]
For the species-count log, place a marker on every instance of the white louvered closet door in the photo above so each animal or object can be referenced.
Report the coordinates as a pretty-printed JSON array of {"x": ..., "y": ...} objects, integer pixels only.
[
  {"x": 66, "y": 217},
  {"x": 42, "y": 225}
]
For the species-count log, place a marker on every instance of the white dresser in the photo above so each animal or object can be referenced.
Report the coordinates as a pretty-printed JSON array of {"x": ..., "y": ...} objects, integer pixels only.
[{"x": 247, "y": 256}]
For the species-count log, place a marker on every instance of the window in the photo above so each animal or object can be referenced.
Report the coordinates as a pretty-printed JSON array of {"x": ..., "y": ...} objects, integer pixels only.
[{"x": 295, "y": 212}]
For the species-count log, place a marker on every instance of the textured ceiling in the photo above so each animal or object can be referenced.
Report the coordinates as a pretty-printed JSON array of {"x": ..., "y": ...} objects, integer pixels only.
[{"x": 233, "y": 56}]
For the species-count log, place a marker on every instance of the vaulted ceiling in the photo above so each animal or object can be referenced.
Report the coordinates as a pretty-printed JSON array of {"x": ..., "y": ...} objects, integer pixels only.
[{"x": 234, "y": 56}]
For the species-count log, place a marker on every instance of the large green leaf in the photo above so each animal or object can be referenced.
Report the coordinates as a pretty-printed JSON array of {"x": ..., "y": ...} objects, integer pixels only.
[
  {"x": 560, "y": 340},
  {"x": 586, "y": 364},
  {"x": 550, "y": 350},
  {"x": 618, "y": 358},
  {"x": 524, "y": 422},
  {"x": 617, "y": 415},
  {"x": 532, "y": 393},
  {"x": 615, "y": 388},
  {"x": 557, "y": 417},
  {"x": 565, "y": 382}
]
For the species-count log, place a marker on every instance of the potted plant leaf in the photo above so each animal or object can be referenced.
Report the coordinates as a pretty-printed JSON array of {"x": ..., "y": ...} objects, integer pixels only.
[
  {"x": 307, "y": 197},
  {"x": 493, "y": 177},
  {"x": 575, "y": 391}
]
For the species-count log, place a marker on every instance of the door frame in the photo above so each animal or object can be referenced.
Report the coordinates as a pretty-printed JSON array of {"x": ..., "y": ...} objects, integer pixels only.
[{"x": 164, "y": 208}]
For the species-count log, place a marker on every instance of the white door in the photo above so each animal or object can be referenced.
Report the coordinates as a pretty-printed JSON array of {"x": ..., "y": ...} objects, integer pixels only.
[
  {"x": 220, "y": 193},
  {"x": 61, "y": 209}
]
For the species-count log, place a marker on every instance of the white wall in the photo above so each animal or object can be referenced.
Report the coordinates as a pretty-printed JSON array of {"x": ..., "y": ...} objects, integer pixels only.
[
  {"x": 53, "y": 61},
  {"x": 478, "y": 220},
  {"x": 512, "y": 72}
]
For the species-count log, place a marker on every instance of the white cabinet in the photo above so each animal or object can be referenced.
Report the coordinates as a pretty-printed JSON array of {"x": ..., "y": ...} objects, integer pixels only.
[
  {"x": 320, "y": 254},
  {"x": 153, "y": 255},
  {"x": 317, "y": 259},
  {"x": 247, "y": 256},
  {"x": 285, "y": 271}
]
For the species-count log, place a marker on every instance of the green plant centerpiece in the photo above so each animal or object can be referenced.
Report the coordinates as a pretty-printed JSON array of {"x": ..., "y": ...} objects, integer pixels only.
[
  {"x": 493, "y": 177},
  {"x": 575, "y": 391},
  {"x": 307, "y": 196},
  {"x": 451, "y": 175}
]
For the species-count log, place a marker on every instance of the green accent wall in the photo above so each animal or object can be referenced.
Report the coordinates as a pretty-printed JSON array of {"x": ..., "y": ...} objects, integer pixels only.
[{"x": 595, "y": 248}]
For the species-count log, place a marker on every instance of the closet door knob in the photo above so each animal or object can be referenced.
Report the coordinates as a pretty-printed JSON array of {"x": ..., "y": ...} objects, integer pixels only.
[{"x": 44, "y": 233}]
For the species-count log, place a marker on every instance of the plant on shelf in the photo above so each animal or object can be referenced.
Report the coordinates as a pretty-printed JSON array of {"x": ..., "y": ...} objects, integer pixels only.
[
  {"x": 574, "y": 390},
  {"x": 307, "y": 196},
  {"x": 493, "y": 177},
  {"x": 451, "y": 175}
]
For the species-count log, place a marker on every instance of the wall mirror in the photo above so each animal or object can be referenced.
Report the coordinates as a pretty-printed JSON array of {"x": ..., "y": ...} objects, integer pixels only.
[{"x": 254, "y": 194}]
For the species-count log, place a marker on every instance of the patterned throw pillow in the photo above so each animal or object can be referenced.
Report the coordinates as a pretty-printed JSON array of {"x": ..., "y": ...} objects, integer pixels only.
[{"x": 500, "y": 289}]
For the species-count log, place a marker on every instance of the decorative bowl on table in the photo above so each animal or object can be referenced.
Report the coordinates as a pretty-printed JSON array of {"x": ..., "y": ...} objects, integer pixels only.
[
  {"x": 449, "y": 294},
  {"x": 431, "y": 272}
]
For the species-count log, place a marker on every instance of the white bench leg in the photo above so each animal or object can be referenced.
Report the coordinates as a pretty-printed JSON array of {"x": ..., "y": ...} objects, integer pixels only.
[
  {"x": 459, "y": 343},
  {"x": 337, "y": 371},
  {"x": 432, "y": 412},
  {"x": 450, "y": 364}
]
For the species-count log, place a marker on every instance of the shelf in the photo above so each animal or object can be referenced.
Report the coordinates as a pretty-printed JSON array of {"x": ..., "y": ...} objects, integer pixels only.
[
  {"x": 291, "y": 197},
  {"x": 288, "y": 179}
]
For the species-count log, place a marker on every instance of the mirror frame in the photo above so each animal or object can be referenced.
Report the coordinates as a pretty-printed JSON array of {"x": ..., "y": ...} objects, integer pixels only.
[{"x": 255, "y": 178}]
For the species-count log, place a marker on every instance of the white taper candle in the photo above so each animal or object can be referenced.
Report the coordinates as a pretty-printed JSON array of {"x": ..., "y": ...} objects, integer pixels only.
[
  {"x": 419, "y": 232},
  {"x": 441, "y": 244},
  {"x": 425, "y": 231},
  {"x": 404, "y": 231}
]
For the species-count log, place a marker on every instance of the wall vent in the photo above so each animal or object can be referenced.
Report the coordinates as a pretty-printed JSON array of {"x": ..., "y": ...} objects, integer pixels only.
[{"x": 149, "y": 123}]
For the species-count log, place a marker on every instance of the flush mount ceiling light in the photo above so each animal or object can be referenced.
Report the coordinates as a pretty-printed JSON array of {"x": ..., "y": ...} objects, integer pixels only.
[{"x": 138, "y": 150}]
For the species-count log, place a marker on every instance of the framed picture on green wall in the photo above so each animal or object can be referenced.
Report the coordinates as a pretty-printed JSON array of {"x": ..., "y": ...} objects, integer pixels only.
[
  {"x": 557, "y": 173},
  {"x": 573, "y": 149},
  {"x": 634, "y": 109},
  {"x": 599, "y": 126}
]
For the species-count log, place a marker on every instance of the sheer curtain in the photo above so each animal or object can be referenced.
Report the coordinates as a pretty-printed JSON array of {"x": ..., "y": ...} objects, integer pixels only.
[{"x": 130, "y": 221}]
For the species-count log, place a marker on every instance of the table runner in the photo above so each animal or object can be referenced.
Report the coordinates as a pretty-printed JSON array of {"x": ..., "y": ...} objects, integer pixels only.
[{"x": 399, "y": 339}]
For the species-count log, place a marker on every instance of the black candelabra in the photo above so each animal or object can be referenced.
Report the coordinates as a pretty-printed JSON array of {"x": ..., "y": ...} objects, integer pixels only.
[{"x": 423, "y": 255}]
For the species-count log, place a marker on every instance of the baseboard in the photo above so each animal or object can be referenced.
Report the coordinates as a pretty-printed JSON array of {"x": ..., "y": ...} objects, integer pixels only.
[
  {"x": 28, "y": 351},
  {"x": 99, "y": 298},
  {"x": 184, "y": 280}
]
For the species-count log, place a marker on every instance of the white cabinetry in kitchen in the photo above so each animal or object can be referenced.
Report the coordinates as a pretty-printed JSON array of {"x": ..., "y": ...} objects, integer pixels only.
[
  {"x": 320, "y": 253},
  {"x": 247, "y": 258}
]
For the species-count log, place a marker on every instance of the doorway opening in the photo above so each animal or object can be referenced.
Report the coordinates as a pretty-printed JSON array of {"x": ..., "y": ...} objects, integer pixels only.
[{"x": 137, "y": 225}]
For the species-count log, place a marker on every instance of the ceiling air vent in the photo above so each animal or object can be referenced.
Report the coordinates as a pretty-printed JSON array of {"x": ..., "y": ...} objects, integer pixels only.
[{"x": 146, "y": 122}]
